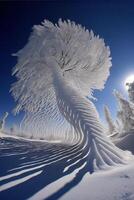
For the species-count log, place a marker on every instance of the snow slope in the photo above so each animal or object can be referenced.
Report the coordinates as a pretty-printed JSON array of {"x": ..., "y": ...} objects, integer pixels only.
[
  {"x": 39, "y": 170},
  {"x": 126, "y": 142},
  {"x": 116, "y": 184}
]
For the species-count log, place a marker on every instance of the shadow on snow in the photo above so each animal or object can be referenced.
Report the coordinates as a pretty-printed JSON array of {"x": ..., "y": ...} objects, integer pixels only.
[{"x": 27, "y": 167}]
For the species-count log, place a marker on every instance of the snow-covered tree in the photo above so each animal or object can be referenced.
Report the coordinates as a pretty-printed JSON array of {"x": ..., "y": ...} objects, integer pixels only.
[
  {"x": 125, "y": 114},
  {"x": 3, "y": 120},
  {"x": 131, "y": 91},
  {"x": 111, "y": 125},
  {"x": 61, "y": 65}
]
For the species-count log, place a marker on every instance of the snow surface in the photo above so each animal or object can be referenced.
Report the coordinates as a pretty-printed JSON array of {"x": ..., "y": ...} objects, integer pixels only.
[
  {"x": 126, "y": 142},
  {"x": 115, "y": 184},
  {"x": 39, "y": 170}
]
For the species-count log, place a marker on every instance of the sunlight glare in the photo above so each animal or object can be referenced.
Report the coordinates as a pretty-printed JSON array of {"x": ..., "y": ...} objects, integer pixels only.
[{"x": 128, "y": 80}]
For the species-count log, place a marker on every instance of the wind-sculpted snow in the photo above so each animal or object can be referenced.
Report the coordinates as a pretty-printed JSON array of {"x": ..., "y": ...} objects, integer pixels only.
[
  {"x": 60, "y": 65},
  {"x": 42, "y": 170},
  {"x": 27, "y": 167}
]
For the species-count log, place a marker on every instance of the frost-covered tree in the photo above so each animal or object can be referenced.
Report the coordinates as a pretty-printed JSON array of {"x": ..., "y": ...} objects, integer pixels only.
[
  {"x": 111, "y": 125},
  {"x": 131, "y": 91},
  {"x": 62, "y": 64},
  {"x": 3, "y": 120},
  {"x": 125, "y": 114}
]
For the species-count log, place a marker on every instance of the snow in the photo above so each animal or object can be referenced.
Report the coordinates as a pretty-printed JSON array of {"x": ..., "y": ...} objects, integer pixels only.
[
  {"x": 8, "y": 135},
  {"x": 126, "y": 142},
  {"x": 55, "y": 186},
  {"x": 38, "y": 170},
  {"x": 115, "y": 184},
  {"x": 17, "y": 182}
]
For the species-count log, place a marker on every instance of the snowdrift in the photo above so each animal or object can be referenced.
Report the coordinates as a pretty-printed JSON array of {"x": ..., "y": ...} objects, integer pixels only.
[{"x": 126, "y": 142}]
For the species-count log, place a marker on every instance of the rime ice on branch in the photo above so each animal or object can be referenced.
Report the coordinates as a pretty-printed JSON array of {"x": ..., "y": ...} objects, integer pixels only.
[{"x": 60, "y": 65}]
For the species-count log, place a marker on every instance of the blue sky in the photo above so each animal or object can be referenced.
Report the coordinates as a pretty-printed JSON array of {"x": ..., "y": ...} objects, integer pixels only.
[{"x": 112, "y": 20}]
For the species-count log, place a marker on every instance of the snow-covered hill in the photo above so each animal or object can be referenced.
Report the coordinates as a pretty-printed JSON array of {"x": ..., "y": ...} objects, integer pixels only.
[{"x": 41, "y": 170}]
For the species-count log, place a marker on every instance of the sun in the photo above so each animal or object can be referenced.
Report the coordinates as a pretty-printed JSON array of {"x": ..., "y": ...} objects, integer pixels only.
[{"x": 129, "y": 79}]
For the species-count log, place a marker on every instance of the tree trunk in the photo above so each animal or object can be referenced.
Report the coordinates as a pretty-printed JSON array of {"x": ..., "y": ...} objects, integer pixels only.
[{"x": 90, "y": 135}]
